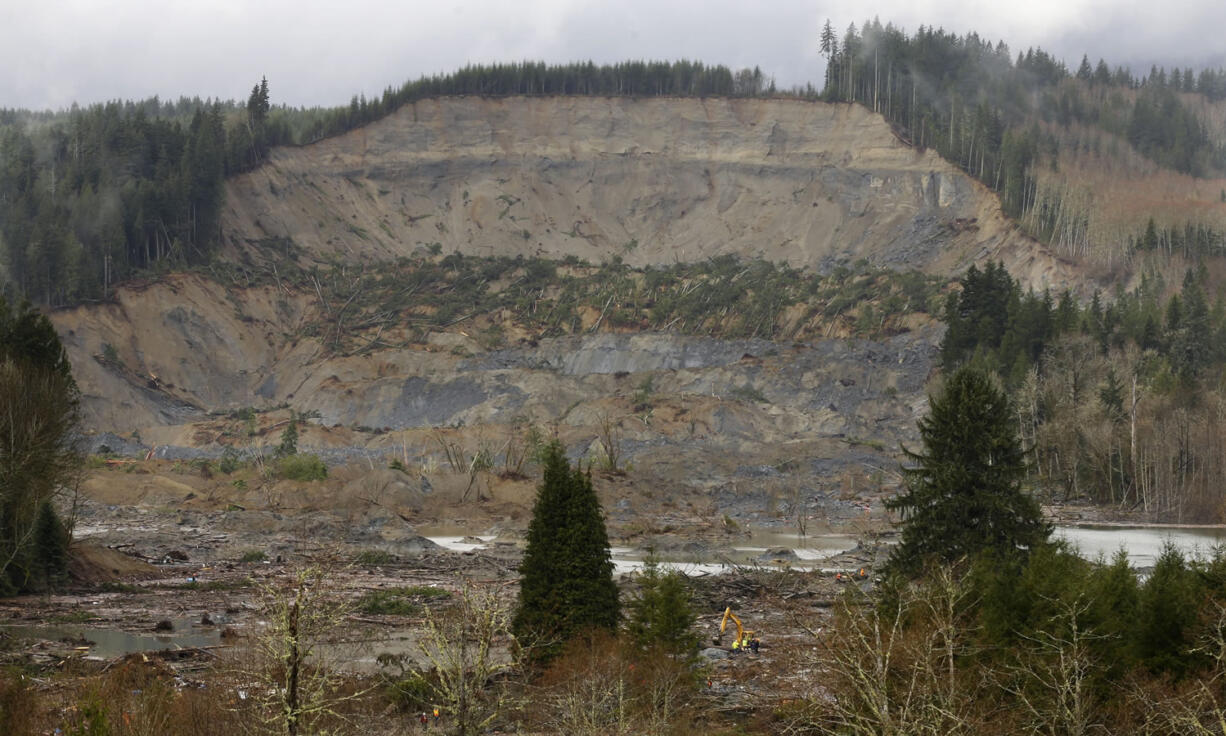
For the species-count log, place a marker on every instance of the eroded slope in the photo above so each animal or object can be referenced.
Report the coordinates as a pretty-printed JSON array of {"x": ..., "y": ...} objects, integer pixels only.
[{"x": 653, "y": 181}]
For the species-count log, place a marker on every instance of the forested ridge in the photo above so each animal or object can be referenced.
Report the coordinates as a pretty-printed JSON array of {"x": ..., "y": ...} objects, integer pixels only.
[
  {"x": 94, "y": 195},
  {"x": 91, "y": 196},
  {"x": 1026, "y": 126},
  {"x": 1118, "y": 401}
]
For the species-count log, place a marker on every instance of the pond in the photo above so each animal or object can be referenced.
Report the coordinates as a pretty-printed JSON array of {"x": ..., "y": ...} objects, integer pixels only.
[{"x": 108, "y": 643}]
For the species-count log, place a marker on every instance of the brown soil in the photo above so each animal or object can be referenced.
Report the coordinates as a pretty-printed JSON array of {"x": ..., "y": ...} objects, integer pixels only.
[{"x": 91, "y": 564}]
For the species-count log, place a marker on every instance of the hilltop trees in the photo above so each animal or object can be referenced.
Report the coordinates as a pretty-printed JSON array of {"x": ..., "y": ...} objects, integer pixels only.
[
  {"x": 38, "y": 458},
  {"x": 964, "y": 494},
  {"x": 1014, "y": 121},
  {"x": 95, "y": 194},
  {"x": 567, "y": 586}
]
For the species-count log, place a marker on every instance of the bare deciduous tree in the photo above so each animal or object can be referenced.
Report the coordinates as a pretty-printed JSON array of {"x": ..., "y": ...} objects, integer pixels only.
[
  {"x": 469, "y": 659},
  {"x": 297, "y": 656},
  {"x": 891, "y": 666},
  {"x": 1052, "y": 681},
  {"x": 39, "y": 461}
]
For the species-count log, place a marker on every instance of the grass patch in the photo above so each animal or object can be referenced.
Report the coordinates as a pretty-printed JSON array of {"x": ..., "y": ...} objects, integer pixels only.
[
  {"x": 374, "y": 557},
  {"x": 403, "y": 601},
  {"x": 253, "y": 555},
  {"x": 749, "y": 393},
  {"x": 861, "y": 442}
]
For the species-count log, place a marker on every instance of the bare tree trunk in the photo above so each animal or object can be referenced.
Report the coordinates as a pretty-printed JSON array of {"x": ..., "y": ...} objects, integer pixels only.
[{"x": 293, "y": 666}]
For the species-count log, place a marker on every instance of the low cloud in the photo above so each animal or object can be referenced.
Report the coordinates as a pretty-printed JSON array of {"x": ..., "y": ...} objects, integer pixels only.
[{"x": 317, "y": 53}]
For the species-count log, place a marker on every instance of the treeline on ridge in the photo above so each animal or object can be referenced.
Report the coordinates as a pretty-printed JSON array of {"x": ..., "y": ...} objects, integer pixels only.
[
  {"x": 101, "y": 193},
  {"x": 91, "y": 196},
  {"x": 1003, "y": 119}
]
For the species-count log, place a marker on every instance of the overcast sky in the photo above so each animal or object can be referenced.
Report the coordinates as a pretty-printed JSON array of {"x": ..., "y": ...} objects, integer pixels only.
[{"x": 55, "y": 52}]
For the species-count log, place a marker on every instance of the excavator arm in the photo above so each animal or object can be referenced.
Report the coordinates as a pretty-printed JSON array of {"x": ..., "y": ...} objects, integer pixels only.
[{"x": 742, "y": 635}]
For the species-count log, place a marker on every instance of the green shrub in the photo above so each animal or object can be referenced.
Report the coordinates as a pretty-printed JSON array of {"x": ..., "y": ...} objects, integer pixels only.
[
  {"x": 750, "y": 393},
  {"x": 229, "y": 461},
  {"x": 374, "y": 557},
  {"x": 253, "y": 555},
  {"x": 405, "y": 601},
  {"x": 413, "y": 693},
  {"x": 302, "y": 467}
]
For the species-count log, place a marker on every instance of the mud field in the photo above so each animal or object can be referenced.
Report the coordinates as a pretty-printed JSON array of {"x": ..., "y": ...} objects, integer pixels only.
[{"x": 175, "y": 569}]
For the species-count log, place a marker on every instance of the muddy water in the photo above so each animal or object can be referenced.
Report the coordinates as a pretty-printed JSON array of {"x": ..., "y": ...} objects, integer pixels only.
[
  {"x": 108, "y": 643},
  {"x": 1142, "y": 543},
  {"x": 764, "y": 547},
  {"x": 761, "y": 547}
]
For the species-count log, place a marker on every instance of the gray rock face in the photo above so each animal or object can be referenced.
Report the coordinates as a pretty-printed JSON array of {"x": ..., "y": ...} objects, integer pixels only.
[{"x": 604, "y": 354}]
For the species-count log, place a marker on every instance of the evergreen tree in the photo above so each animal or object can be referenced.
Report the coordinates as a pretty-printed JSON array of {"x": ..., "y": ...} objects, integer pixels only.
[
  {"x": 50, "y": 549},
  {"x": 1167, "y": 611},
  {"x": 1085, "y": 72},
  {"x": 964, "y": 493},
  {"x": 567, "y": 584},
  {"x": 829, "y": 47},
  {"x": 660, "y": 616},
  {"x": 257, "y": 120},
  {"x": 1111, "y": 395},
  {"x": 289, "y": 440},
  {"x": 38, "y": 456},
  {"x": 1115, "y": 596}
]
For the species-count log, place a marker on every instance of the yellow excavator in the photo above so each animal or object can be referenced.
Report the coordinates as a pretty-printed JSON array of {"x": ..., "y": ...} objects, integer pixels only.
[{"x": 743, "y": 637}]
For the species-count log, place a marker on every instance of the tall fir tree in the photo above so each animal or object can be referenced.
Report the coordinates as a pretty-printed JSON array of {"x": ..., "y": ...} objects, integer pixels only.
[
  {"x": 1166, "y": 613},
  {"x": 567, "y": 584},
  {"x": 964, "y": 492}
]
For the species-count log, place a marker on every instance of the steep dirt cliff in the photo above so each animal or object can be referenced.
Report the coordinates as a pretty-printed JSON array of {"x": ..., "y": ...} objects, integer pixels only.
[
  {"x": 653, "y": 181},
  {"x": 182, "y": 359}
]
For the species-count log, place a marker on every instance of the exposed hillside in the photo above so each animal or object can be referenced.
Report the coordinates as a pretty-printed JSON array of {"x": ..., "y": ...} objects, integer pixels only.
[
  {"x": 341, "y": 299},
  {"x": 652, "y": 181}
]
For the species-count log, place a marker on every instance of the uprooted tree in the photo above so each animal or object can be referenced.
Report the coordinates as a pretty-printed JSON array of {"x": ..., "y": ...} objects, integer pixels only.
[{"x": 39, "y": 461}]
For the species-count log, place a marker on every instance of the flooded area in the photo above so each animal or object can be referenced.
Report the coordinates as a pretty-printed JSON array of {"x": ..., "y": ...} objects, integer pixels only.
[
  {"x": 773, "y": 548},
  {"x": 109, "y": 643},
  {"x": 696, "y": 556},
  {"x": 1143, "y": 543},
  {"x": 760, "y": 547}
]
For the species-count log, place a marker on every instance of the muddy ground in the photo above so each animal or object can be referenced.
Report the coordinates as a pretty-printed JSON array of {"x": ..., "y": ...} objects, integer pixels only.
[{"x": 157, "y": 544}]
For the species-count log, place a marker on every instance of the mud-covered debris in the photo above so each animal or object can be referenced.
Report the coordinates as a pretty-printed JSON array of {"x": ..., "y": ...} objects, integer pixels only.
[{"x": 778, "y": 553}]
